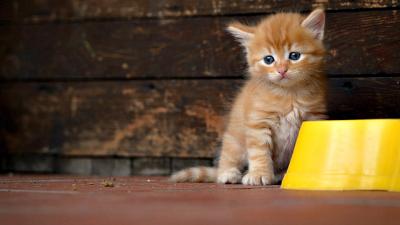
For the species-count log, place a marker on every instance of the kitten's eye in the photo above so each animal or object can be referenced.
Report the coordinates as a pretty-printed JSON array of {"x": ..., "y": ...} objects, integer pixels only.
[
  {"x": 269, "y": 59},
  {"x": 294, "y": 55}
]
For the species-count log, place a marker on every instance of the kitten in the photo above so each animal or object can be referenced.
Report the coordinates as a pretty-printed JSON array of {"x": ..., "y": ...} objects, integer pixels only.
[{"x": 287, "y": 85}]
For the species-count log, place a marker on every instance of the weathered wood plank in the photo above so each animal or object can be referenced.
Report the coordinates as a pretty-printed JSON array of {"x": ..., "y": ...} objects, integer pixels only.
[
  {"x": 48, "y": 10},
  {"x": 151, "y": 166},
  {"x": 359, "y": 42},
  {"x": 354, "y": 98},
  {"x": 143, "y": 118},
  {"x": 176, "y": 118}
]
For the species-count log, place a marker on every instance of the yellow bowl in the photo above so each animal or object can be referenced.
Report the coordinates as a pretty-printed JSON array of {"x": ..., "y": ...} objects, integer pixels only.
[{"x": 346, "y": 155}]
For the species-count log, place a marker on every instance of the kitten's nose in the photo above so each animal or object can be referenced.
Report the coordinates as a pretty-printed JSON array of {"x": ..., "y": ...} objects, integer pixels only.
[{"x": 282, "y": 70}]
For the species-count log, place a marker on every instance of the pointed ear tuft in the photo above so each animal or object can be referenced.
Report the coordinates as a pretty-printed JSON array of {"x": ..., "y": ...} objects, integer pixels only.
[
  {"x": 241, "y": 32},
  {"x": 315, "y": 22}
]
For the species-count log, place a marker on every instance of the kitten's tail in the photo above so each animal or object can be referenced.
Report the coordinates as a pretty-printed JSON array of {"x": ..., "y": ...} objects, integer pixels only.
[{"x": 199, "y": 174}]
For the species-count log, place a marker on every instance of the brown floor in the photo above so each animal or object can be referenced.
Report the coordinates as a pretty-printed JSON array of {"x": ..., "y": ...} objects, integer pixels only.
[{"x": 152, "y": 200}]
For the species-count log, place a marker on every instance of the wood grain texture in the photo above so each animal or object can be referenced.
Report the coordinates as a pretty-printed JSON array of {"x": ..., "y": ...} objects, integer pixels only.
[
  {"x": 176, "y": 118},
  {"x": 49, "y": 10},
  {"x": 141, "y": 118},
  {"x": 359, "y": 43}
]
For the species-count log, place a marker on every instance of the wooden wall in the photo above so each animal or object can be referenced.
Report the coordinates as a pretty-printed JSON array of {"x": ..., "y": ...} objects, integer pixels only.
[{"x": 155, "y": 78}]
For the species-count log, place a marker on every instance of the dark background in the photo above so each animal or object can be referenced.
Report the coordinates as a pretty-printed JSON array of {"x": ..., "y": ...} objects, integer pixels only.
[{"x": 124, "y": 87}]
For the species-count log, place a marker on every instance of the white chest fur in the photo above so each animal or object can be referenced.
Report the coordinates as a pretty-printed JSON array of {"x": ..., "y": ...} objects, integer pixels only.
[{"x": 285, "y": 135}]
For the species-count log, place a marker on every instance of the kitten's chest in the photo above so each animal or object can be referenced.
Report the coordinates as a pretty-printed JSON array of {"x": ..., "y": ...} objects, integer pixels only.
[
  {"x": 288, "y": 126},
  {"x": 286, "y": 131}
]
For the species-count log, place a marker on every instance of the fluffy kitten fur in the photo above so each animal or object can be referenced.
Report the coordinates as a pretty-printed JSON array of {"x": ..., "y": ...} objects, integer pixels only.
[{"x": 277, "y": 97}]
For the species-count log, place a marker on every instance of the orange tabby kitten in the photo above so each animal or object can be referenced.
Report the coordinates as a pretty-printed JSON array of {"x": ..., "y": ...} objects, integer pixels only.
[{"x": 286, "y": 86}]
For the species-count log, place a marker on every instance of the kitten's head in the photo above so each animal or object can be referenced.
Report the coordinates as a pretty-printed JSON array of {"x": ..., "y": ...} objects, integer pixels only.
[{"x": 286, "y": 48}]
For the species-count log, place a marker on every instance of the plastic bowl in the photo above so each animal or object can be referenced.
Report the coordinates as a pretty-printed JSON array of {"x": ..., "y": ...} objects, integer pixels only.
[{"x": 346, "y": 155}]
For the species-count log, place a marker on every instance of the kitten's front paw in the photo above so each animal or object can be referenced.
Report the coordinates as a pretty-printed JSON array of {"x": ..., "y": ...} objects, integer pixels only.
[
  {"x": 257, "y": 178},
  {"x": 230, "y": 176}
]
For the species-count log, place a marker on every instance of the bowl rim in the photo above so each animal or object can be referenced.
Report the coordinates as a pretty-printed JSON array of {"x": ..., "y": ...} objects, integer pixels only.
[{"x": 354, "y": 120}]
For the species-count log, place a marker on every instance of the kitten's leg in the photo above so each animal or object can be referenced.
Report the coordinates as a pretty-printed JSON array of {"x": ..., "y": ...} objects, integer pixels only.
[
  {"x": 259, "y": 153},
  {"x": 231, "y": 160}
]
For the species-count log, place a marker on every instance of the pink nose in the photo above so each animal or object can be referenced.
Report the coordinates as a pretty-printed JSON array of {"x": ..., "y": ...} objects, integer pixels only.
[{"x": 282, "y": 71}]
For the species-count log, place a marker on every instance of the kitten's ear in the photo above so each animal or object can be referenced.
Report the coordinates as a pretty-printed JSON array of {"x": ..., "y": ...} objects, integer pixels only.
[
  {"x": 315, "y": 22},
  {"x": 241, "y": 32}
]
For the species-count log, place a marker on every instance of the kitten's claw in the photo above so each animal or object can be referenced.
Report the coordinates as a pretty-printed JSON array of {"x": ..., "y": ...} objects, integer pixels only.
[
  {"x": 254, "y": 178},
  {"x": 230, "y": 176}
]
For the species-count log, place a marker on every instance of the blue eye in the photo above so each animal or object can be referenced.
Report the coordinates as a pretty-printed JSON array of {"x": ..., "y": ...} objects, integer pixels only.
[
  {"x": 294, "y": 55},
  {"x": 269, "y": 59}
]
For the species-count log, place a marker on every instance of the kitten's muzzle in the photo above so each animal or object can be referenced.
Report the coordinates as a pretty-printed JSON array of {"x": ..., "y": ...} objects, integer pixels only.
[{"x": 282, "y": 71}]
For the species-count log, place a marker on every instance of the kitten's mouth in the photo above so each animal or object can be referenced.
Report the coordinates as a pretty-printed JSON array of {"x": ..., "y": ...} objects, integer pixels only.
[
  {"x": 279, "y": 79},
  {"x": 285, "y": 80},
  {"x": 283, "y": 77}
]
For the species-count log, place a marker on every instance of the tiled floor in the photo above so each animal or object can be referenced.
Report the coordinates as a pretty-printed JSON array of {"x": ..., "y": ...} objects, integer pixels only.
[{"x": 152, "y": 200}]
